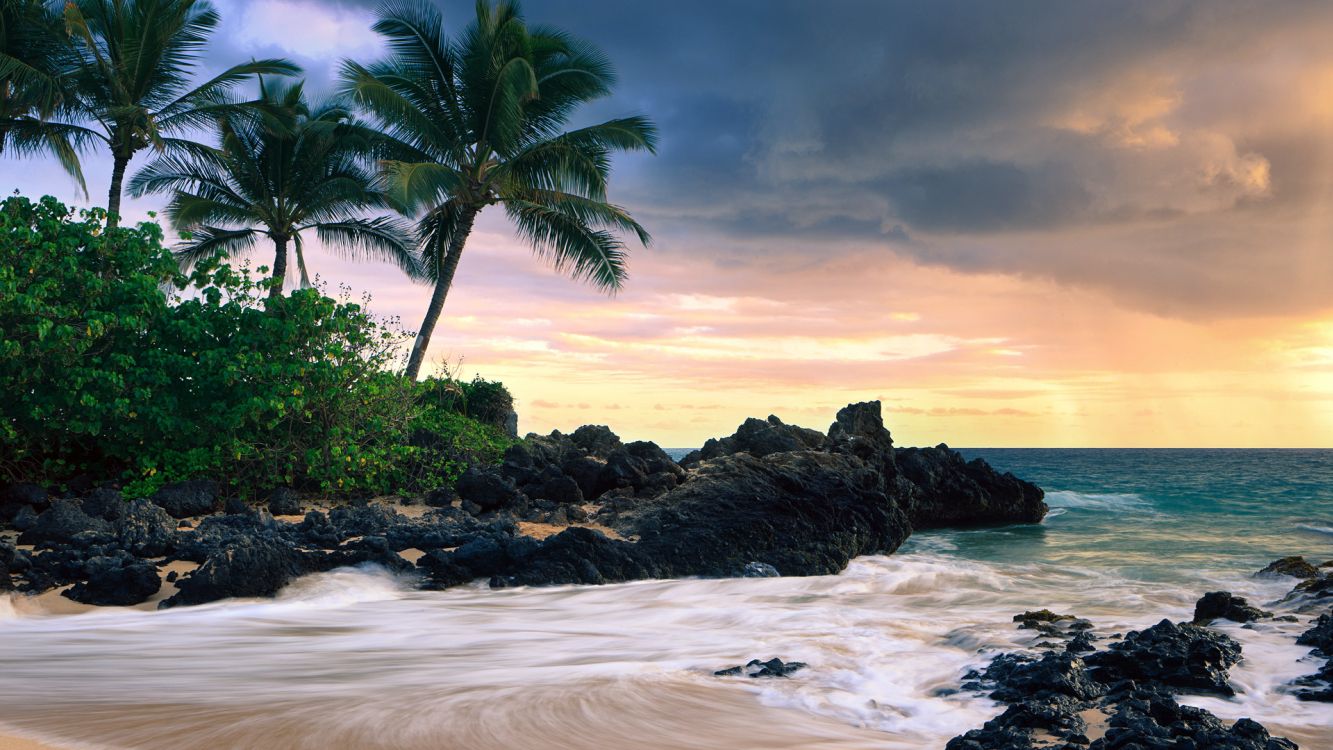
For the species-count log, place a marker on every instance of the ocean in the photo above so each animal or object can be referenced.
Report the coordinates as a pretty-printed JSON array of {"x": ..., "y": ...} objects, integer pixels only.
[{"x": 356, "y": 659}]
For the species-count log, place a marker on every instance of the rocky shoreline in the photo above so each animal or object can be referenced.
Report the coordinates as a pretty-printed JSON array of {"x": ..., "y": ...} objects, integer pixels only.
[
  {"x": 772, "y": 499},
  {"x": 586, "y": 508},
  {"x": 1064, "y": 693}
]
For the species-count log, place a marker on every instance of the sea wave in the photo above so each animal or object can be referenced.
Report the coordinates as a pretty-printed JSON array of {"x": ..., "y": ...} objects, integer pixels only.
[
  {"x": 1316, "y": 529},
  {"x": 1110, "y": 501}
]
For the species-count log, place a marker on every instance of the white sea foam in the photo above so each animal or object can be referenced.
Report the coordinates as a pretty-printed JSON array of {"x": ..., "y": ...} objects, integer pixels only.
[
  {"x": 356, "y": 659},
  {"x": 1315, "y": 528},
  {"x": 1112, "y": 501}
]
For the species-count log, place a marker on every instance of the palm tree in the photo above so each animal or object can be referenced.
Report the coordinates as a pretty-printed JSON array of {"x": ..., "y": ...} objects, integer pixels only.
[
  {"x": 135, "y": 59},
  {"x": 34, "y": 59},
  {"x": 279, "y": 170},
  {"x": 477, "y": 121}
]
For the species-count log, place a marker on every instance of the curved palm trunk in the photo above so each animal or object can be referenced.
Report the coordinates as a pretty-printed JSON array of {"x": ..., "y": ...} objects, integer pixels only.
[
  {"x": 443, "y": 281},
  {"x": 279, "y": 266},
  {"x": 113, "y": 196}
]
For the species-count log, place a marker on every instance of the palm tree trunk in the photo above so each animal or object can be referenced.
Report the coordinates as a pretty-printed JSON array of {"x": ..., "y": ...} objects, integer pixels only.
[
  {"x": 279, "y": 266},
  {"x": 113, "y": 196},
  {"x": 443, "y": 280}
]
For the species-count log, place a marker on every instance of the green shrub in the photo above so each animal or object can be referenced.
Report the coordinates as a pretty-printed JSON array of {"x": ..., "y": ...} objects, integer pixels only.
[{"x": 106, "y": 374}]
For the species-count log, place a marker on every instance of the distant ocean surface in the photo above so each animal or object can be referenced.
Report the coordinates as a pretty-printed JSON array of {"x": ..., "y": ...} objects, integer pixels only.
[{"x": 358, "y": 659}]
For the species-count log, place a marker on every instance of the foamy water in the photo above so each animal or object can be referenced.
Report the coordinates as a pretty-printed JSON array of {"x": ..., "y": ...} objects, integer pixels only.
[{"x": 356, "y": 659}]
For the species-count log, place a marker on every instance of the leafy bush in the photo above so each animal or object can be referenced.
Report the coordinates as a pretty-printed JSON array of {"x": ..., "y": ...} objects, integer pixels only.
[
  {"x": 106, "y": 374},
  {"x": 486, "y": 401}
]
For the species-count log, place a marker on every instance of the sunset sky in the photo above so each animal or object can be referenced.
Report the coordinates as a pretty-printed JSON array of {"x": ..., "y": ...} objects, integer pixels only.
[{"x": 1016, "y": 224}]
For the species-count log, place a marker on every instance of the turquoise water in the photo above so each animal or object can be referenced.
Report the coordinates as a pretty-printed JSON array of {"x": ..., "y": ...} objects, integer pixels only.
[{"x": 1162, "y": 514}]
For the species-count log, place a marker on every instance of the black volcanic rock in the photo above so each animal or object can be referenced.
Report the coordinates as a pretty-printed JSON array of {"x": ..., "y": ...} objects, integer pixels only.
[
  {"x": 116, "y": 581},
  {"x": 246, "y": 566},
  {"x": 952, "y": 492},
  {"x": 804, "y": 513},
  {"x": 61, "y": 522},
  {"x": 195, "y": 497},
  {"x": 282, "y": 501},
  {"x": 145, "y": 529},
  {"x": 488, "y": 489},
  {"x": 1178, "y": 656},
  {"x": 1221, "y": 605},
  {"x": 104, "y": 503},
  {"x": 759, "y": 438},
  {"x": 1294, "y": 566},
  {"x": 20, "y": 495}
]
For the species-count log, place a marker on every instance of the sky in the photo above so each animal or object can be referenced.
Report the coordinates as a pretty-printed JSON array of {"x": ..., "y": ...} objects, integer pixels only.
[{"x": 1015, "y": 224}]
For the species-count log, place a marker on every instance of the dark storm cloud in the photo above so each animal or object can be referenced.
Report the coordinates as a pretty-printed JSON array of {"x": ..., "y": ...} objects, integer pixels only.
[{"x": 984, "y": 136}]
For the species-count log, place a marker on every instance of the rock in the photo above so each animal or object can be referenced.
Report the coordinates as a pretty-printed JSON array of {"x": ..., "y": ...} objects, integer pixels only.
[
  {"x": 116, "y": 581},
  {"x": 61, "y": 523},
  {"x": 247, "y": 566},
  {"x": 487, "y": 489},
  {"x": 235, "y": 506},
  {"x": 282, "y": 501},
  {"x": 195, "y": 497},
  {"x": 1294, "y": 566},
  {"x": 859, "y": 431},
  {"x": 1320, "y": 635},
  {"x": 1028, "y": 620},
  {"x": 442, "y": 497},
  {"x": 1221, "y": 605},
  {"x": 596, "y": 440},
  {"x": 25, "y": 519},
  {"x": 577, "y": 555},
  {"x": 562, "y": 489},
  {"x": 20, "y": 495},
  {"x": 104, "y": 503},
  {"x": 760, "y": 438},
  {"x": 804, "y": 513},
  {"x": 1018, "y": 678},
  {"x": 754, "y": 569},
  {"x": 1180, "y": 656},
  {"x": 145, "y": 529},
  {"x": 586, "y": 473},
  {"x": 952, "y": 492},
  {"x": 756, "y": 668}
]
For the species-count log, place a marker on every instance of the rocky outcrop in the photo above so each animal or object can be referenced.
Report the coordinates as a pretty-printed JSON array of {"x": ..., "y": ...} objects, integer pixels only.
[
  {"x": 121, "y": 580},
  {"x": 1181, "y": 656},
  {"x": 759, "y": 438},
  {"x": 771, "y": 499},
  {"x": 948, "y": 491},
  {"x": 1318, "y": 686},
  {"x": 1222, "y": 605},
  {"x": 1103, "y": 702},
  {"x": 196, "y": 497}
]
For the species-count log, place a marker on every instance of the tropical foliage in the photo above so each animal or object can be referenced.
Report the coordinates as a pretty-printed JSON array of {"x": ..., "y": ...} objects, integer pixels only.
[
  {"x": 280, "y": 170},
  {"x": 34, "y": 63},
  {"x": 105, "y": 374},
  {"x": 131, "y": 80},
  {"x": 479, "y": 120}
]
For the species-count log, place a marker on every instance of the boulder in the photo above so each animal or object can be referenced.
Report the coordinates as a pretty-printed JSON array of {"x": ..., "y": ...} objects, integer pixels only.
[
  {"x": 145, "y": 529},
  {"x": 596, "y": 440},
  {"x": 487, "y": 489},
  {"x": 1320, "y": 635},
  {"x": 949, "y": 491},
  {"x": 116, "y": 581},
  {"x": 60, "y": 523},
  {"x": 804, "y": 513},
  {"x": 562, "y": 490},
  {"x": 760, "y": 438},
  {"x": 756, "y": 668},
  {"x": 442, "y": 497},
  {"x": 20, "y": 495},
  {"x": 250, "y": 566},
  {"x": 104, "y": 503},
  {"x": 25, "y": 519},
  {"x": 1294, "y": 566},
  {"x": 1221, "y": 605},
  {"x": 1180, "y": 656},
  {"x": 195, "y": 497},
  {"x": 282, "y": 501}
]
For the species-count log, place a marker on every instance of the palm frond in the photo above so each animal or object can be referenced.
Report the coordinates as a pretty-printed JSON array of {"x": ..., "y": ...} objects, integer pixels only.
[
  {"x": 207, "y": 242},
  {"x": 381, "y": 238},
  {"x": 571, "y": 246}
]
